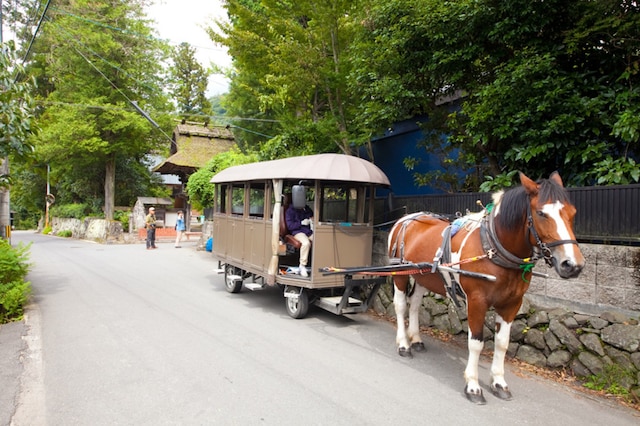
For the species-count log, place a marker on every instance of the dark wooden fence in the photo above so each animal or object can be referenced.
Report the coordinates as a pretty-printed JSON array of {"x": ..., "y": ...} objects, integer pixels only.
[{"x": 606, "y": 214}]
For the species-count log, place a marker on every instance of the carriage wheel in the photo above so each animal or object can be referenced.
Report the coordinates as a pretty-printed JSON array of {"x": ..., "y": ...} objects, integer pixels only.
[
  {"x": 297, "y": 307},
  {"x": 233, "y": 285}
]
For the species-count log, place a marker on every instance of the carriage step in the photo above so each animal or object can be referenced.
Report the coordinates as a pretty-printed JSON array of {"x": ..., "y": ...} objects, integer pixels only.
[
  {"x": 219, "y": 270},
  {"x": 254, "y": 286},
  {"x": 332, "y": 304},
  {"x": 335, "y": 301}
]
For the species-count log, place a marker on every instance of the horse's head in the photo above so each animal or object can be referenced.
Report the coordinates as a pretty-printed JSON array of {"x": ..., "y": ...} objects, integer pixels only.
[{"x": 550, "y": 220}]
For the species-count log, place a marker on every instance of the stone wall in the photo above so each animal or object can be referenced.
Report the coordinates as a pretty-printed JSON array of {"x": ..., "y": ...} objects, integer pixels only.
[
  {"x": 588, "y": 325},
  {"x": 94, "y": 229},
  {"x": 610, "y": 279}
]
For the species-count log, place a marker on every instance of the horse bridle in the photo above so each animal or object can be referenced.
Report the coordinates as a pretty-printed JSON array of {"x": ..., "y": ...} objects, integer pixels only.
[
  {"x": 501, "y": 256},
  {"x": 544, "y": 249}
]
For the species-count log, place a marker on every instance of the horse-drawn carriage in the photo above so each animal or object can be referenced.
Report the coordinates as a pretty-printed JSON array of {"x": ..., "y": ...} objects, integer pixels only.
[{"x": 486, "y": 258}]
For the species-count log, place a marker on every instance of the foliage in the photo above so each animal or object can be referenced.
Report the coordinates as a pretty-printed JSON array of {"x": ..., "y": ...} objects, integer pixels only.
[
  {"x": 70, "y": 211},
  {"x": 539, "y": 86},
  {"x": 28, "y": 193},
  {"x": 189, "y": 84},
  {"x": 614, "y": 379},
  {"x": 46, "y": 230},
  {"x": 14, "y": 291},
  {"x": 199, "y": 187},
  {"x": 66, "y": 233},
  {"x": 545, "y": 85},
  {"x": 123, "y": 217},
  {"x": 94, "y": 68},
  {"x": 17, "y": 107},
  {"x": 290, "y": 66}
]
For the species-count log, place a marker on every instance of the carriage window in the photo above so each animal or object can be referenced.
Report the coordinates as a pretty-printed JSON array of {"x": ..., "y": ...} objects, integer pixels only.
[
  {"x": 221, "y": 199},
  {"x": 237, "y": 199},
  {"x": 339, "y": 204},
  {"x": 256, "y": 200}
]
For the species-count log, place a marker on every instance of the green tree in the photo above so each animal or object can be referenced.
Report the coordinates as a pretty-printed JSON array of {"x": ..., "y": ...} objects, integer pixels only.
[
  {"x": 98, "y": 58},
  {"x": 189, "y": 84},
  {"x": 290, "y": 65},
  {"x": 199, "y": 187},
  {"x": 17, "y": 111},
  {"x": 543, "y": 85}
]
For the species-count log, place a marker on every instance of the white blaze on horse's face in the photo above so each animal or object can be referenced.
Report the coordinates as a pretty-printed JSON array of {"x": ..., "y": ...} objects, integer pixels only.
[{"x": 569, "y": 260}]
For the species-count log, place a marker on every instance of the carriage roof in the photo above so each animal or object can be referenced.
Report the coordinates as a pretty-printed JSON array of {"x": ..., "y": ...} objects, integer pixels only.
[{"x": 333, "y": 167}]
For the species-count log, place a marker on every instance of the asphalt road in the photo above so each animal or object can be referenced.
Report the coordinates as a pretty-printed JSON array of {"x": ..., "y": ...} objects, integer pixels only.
[{"x": 121, "y": 335}]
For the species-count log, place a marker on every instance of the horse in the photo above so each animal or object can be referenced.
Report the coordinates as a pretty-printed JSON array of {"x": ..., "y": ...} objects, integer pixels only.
[{"x": 492, "y": 255}]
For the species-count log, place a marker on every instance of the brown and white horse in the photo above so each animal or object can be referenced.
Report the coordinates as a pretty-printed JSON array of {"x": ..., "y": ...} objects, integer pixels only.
[{"x": 530, "y": 222}]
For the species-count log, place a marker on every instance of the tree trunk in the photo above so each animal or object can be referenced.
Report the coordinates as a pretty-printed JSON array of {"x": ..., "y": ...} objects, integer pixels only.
[{"x": 109, "y": 187}]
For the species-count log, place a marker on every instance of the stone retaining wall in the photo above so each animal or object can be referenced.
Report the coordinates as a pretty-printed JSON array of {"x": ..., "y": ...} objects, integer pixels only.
[
  {"x": 588, "y": 325},
  {"x": 94, "y": 229}
]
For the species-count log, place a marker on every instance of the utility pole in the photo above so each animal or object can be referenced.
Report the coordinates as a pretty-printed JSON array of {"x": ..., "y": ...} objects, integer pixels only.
[{"x": 5, "y": 214}]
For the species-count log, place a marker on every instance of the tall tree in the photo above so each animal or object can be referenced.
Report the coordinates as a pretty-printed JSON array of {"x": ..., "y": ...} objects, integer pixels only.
[
  {"x": 189, "y": 84},
  {"x": 98, "y": 58},
  {"x": 16, "y": 119},
  {"x": 289, "y": 61}
]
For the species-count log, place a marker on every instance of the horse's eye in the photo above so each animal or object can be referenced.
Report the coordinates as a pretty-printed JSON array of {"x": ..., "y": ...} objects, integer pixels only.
[{"x": 541, "y": 213}]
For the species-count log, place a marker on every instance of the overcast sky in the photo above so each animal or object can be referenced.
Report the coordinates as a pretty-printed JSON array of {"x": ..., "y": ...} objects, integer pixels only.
[{"x": 183, "y": 21}]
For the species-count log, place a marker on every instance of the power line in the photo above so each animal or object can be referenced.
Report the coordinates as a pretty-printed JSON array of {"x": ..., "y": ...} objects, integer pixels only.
[
  {"x": 102, "y": 24},
  {"x": 133, "y": 103},
  {"x": 176, "y": 115},
  {"x": 94, "y": 53},
  {"x": 144, "y": 114},
  {"x": 35, "y": 33}
]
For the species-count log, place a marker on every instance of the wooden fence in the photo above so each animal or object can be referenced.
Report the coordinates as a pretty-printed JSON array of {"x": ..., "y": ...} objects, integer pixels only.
[{"x": 606, "y": 214}]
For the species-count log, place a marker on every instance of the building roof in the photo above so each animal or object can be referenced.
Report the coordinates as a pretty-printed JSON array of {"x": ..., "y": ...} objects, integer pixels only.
[
  {"x": 155, "y": 200},
  {"x": 192, "y": 147}
]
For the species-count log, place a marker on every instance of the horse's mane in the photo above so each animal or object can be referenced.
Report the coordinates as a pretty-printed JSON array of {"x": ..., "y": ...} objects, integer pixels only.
[{"x": 513, "y": 203}]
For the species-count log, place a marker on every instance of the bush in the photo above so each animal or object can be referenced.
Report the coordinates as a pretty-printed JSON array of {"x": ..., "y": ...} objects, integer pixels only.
[
  {"x": 122, "y": 217},
  {"x": 65, "y": 233},
  {"x": 72, "y": 211},
  {"x": 46, "y": 230},
  {"x": 14, "y": 291}
]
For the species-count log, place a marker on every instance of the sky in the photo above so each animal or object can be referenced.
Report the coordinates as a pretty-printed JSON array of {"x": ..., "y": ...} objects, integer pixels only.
[{"x": 182, "y": 21}]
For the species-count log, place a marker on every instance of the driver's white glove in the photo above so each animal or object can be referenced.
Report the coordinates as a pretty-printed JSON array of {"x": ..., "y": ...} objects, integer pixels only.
[{"x": 305, "y": 222}]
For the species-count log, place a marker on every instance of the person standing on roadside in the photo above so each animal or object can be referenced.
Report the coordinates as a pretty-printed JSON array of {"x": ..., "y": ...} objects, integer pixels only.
[
  {"x": 180, "y": 228},
  {"x": 150, "y": 224}
]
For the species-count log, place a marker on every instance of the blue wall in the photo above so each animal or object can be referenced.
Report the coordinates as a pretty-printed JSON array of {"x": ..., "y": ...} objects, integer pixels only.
[{"x": 399, "y": 142}]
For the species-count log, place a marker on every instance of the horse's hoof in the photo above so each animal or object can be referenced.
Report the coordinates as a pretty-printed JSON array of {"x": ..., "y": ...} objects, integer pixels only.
[
  {"x": 500, "y": 392},
  {"x": 476, "y": 398},
  {"x": 418, "y": 347},
  {"x": 405, "y": 352}
]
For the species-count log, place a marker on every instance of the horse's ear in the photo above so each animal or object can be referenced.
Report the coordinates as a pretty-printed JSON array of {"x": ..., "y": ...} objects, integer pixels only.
[
  {"x": 530, "y": 186},
  {"x": 555, "y": 177}
]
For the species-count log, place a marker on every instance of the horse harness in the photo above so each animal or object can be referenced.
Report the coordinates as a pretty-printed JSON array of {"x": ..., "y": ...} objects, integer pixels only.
[
  {"x": 442, "y": 257},
  {"x": 491, "y": 246}
]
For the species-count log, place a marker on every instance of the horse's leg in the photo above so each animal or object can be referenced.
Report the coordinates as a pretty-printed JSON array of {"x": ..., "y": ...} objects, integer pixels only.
[
  {"x": 415, "y": 302},
  {"x": 400, "y": 306},
  {"x": 475, "y": 344},
  {"x": 498, "y": 384}
]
